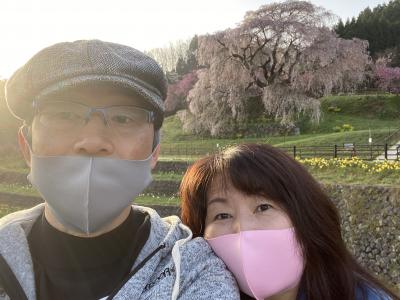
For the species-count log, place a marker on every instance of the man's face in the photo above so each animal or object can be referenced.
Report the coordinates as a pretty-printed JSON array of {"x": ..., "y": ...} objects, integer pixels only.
[{"x": 94, "y": 138}]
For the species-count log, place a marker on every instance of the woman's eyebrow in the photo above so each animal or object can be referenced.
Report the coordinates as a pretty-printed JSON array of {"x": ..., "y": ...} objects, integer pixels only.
[{"x": 217, "y": 200}]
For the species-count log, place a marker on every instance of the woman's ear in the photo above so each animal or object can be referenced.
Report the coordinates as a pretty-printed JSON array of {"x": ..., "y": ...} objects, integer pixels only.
[{"x": 24, "y": 145}]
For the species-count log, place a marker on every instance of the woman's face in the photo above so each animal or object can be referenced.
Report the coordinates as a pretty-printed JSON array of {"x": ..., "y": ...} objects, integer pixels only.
[{"x": 230, "y": 211}]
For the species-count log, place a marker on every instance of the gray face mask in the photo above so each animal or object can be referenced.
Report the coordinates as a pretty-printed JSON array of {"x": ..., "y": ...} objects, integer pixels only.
[{"x": 87, "y": 193}]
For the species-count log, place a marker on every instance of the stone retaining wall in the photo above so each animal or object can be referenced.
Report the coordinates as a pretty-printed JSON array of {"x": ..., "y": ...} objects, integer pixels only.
[{"x": 370, "y": 219}]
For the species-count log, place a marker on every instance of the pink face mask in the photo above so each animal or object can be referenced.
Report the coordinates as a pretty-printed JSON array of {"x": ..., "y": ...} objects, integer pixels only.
[{"x": 264, "y": 262}]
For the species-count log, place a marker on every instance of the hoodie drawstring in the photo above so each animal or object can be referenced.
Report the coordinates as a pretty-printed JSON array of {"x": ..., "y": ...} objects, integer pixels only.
[{"x": 176, "y": 257}]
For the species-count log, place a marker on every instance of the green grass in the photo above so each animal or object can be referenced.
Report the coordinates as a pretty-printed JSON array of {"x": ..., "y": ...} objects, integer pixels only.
[
  {"x": 330, "y": 120},
  {"x": 192, "y": 150},
  {"x": 333, "y": 175},
  {"x": 325, "y": 175},
  {"x": 150, "y": 199},
  {"x": 380, "y": 113},
  {"x": 6, "y": 209},
  {"x": 371, "y": 106},
  {"x": 184, "y": 158},
  {"x": 145, "y": 199},
  {"x": 375, "y": 113},
  {"x": 13, "y": 162},
  {"x": 339, "y": 138},
  {"x": 171, "y": 131},
  {"x": 328, "y": 175},
  {"x": 19, "y": 189}
]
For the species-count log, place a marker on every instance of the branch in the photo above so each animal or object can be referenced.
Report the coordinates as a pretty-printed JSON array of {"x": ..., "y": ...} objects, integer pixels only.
[
  {"x": 285, "y": 55},
  {"x": 251, "y": 83},
  {"x": 265, "y": 69},
  {"x": 259, "y": 49},
  {"x": 274, "y": 58},
  {"x": 291, "y": 68}
]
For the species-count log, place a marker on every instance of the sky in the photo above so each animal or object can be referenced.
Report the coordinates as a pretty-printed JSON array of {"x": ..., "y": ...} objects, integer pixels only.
[{"x": 30, "y": 25}]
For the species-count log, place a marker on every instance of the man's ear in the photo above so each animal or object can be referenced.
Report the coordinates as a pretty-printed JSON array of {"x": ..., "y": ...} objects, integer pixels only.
[
  {"x": 154, "y": 157},
  {"x": 24, "y": 145}
]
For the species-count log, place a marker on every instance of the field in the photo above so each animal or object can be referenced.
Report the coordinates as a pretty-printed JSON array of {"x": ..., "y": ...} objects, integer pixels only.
[{"x": 376, "y": 116}]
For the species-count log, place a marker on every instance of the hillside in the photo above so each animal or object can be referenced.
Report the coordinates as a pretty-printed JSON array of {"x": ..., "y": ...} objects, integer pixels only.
[{"x": 378, "y": 114}]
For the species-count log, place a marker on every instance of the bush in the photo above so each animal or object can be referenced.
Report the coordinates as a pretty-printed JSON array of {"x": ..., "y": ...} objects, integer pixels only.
[
  {"x": 347, "y": 127},
  {"x": 337, "y": 129},
  {"x": 334, "y": 109},
  {"x": 343, "y": 128},
  {"x": 388, "y": 79}
]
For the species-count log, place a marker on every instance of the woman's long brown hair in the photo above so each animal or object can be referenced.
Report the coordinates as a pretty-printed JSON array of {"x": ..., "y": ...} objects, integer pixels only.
[{"x": 331, "y": 272}]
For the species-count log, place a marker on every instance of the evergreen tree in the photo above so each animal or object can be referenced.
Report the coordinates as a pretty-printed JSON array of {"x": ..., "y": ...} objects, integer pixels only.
[
  {"x": 188, "y": 63},
  {"x": 380, "y": 26},
  {"x": 339, "y": 28}
]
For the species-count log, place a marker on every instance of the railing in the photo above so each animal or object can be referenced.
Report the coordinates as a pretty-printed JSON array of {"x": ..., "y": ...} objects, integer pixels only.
[
  {"x": 364, "y": 152},
  {"x": 391, "y": 138}
]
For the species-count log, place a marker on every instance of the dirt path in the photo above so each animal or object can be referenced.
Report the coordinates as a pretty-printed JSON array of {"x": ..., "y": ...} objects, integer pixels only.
[{"x": 391, "y": 153}]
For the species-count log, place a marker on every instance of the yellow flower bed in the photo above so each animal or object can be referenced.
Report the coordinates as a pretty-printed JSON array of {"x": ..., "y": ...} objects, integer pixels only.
[{"x": 354, "y": 162}]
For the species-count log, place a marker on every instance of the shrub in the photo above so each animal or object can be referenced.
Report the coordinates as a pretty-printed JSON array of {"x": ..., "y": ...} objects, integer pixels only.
[
  {"x": 343, "y": 128},
  {"x": 388, "y": 79},
  {"x": 347, "y": 127},
  {"x": 334, "y": 109},
  {"x": 337, "y": 129},
  {"x": 178, "y": 92}
]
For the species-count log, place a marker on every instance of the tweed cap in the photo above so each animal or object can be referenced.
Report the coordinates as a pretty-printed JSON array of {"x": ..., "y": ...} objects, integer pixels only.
[{"x": 71, "y": 64}]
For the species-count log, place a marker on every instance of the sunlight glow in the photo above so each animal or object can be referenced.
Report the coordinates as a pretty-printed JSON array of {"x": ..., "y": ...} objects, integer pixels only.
[{"x": 30, "y": 25}]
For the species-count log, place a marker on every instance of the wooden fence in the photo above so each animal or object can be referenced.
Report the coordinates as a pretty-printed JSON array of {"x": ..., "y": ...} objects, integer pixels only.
[{"x": 364, "y": 152}]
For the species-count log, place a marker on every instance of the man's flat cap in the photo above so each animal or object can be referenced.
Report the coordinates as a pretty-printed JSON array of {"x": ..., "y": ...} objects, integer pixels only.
[{"x": 71, "y": 64}]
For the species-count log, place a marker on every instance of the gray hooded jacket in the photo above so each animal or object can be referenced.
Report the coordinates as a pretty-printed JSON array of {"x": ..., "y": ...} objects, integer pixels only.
[{"x": 185, "y": 268}]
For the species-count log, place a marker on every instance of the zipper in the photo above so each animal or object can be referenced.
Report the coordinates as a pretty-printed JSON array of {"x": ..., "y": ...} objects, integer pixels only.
[{"x": 134, "y": 271}]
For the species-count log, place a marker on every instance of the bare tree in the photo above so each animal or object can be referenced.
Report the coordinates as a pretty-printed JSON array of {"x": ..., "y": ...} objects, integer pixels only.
[
  {"x": 168, "y": 56},
  {"x": 283, "y": 52}
]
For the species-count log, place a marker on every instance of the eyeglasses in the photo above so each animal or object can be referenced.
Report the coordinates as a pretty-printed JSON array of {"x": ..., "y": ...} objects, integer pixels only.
[{"x": 69, "y": 115}]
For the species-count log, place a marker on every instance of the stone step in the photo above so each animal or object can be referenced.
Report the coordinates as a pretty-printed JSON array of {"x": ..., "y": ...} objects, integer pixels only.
[
  {"x": 11, "y": 177},
  {"x": 171, "y": 166},
  {"x": 164, "y": 187},
  {"x": 158, "y": 187},
  {"x": 22, "y": 201}
]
